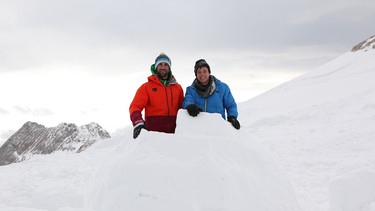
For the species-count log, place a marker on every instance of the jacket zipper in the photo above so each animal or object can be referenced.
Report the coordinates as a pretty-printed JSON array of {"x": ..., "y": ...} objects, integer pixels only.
[
  {"x": 205, "y": 104},
  {"x": 168, "y": 108}
]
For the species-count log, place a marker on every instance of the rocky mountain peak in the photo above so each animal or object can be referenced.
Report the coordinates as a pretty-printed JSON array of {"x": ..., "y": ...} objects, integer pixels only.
[
  {"x": 33, "y": 138},
  {"x": 365, "y": 45}
]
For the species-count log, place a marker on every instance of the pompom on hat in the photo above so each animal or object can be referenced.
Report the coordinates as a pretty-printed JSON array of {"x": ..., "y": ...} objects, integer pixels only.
[{"x": 201, "y": 63}]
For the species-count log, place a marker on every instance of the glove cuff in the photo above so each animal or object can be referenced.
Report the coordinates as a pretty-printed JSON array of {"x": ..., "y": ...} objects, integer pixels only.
[
  {"x": 138, "y": 124},
  {"x": 136, "y": 117}
]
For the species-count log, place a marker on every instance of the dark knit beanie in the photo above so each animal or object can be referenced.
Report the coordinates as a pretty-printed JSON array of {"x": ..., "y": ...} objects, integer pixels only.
[
  {"x": 162, "y": 58},
  {"x": 201, "y": 63}
]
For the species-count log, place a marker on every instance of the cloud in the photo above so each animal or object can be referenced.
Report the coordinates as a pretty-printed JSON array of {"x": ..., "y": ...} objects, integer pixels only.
[
  {"x": 33, "y": 111},
  {"x": 3, "y": 111},
  {"x": 99, "y": 35}
]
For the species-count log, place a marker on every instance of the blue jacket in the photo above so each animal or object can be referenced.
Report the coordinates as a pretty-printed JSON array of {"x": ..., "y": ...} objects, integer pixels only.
[{"x": 220, "y": 101}]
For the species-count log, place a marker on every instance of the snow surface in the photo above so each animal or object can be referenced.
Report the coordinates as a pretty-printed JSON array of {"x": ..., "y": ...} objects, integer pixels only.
[{"x": 308, "y": 144}]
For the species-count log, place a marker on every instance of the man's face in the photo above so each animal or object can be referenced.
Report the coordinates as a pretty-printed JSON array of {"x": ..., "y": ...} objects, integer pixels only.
[
  {"x": 163, "y": 70},
  {"x": 203, "y": 75}
]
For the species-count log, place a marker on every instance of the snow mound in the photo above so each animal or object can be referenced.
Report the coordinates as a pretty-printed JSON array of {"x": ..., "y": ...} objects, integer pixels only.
[
  {"x": 354, "y": 191},
  {"x": 198, "y": 168}
]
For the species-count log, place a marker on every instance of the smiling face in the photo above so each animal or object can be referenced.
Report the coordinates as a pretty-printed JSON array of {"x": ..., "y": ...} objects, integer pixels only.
[
  {"x": 203, "y": 75},
  {"x": 163, "y": 70}
]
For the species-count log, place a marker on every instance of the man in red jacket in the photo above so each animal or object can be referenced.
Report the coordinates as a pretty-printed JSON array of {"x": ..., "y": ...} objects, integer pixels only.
[{"x": 161, "y": 98}]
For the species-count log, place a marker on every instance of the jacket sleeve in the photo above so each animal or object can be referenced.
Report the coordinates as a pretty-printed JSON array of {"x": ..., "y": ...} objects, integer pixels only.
[
  {"x": 229, "y": 103},
  {"x": 139, "y": 102},
  {"x": 189, "y": 97}
]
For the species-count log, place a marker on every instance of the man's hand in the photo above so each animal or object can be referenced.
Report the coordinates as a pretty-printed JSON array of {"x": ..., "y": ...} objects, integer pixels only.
[
  {"x": 192, "y": 109},
  {"x": 138, "y": 128},
  {"x": 234, "y": 121}
]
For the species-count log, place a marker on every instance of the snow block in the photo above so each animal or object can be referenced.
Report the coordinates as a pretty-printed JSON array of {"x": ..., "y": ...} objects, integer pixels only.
[
  {"x": 203, "y": 169},
  {"x": 204, "y": 123}
]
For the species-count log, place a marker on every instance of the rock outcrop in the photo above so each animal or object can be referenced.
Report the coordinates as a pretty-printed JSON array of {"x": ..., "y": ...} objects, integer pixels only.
[
  {"x": 365, "y": 45},
  {"x": 33, "y": 138}
]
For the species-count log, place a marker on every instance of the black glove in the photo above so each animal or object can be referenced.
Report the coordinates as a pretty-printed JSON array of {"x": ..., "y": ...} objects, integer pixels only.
[
  {"x": 192, "y": 109},
  {"x": 137, "y": 129},
  {"x": 234, "y": 121}
]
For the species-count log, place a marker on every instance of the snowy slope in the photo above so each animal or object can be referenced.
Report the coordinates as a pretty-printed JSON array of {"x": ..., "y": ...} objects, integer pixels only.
[
  {"x": 321, "y": 128},
  {"x": 308, "y": 144},
  {"x": 210, "y": 169}
]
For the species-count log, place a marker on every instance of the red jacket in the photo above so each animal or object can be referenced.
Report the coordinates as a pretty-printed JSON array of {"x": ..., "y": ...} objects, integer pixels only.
[{"x": 161, "y": 104}]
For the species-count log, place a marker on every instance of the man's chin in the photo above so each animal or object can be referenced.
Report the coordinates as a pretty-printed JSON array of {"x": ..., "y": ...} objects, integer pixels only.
[{"x": 163, "y": 76}]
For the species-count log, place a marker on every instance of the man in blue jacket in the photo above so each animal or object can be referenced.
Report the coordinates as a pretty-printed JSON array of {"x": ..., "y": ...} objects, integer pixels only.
[{"x": 209, "y": 94}]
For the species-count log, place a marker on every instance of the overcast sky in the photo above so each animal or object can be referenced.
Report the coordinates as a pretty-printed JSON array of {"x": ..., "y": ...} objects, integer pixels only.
[{"x": 81, "y": 61}]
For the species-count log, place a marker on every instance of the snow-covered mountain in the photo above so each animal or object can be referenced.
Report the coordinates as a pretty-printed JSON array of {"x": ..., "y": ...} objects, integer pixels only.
[
  {"x": 365, "y": 45},
  {"x": 307, "y": 144},
  {"x": 33, "y": 138}
]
